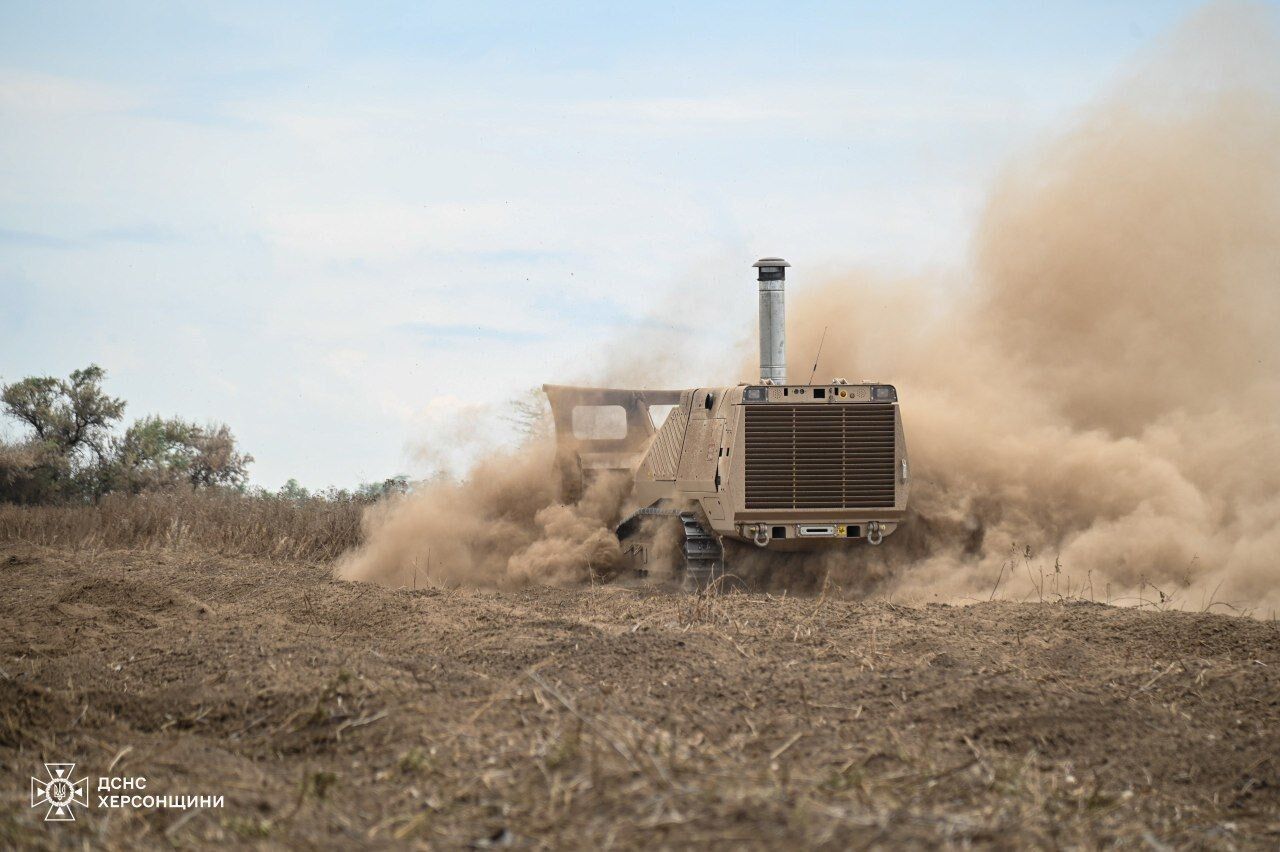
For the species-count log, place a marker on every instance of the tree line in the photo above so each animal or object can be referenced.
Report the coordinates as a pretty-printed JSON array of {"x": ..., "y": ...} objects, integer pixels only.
[{"x": 72, "y": 450}]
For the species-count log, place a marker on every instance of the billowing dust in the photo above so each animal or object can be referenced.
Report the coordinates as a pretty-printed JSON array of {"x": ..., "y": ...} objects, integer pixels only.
[
  {"x": 1091, "y": 409},
  {"x": 501, "y": 526}
]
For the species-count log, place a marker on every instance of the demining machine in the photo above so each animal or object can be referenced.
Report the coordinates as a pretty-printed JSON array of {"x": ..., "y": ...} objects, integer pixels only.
[{"x": 774, "y": 465}]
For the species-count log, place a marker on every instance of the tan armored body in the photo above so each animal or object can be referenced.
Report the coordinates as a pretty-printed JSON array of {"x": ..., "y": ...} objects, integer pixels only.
[{"x": 781, "y": 466}]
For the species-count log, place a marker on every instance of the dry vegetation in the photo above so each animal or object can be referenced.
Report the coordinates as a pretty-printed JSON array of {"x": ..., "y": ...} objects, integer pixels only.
[
  {"x": 209, "y": 521},
  {"x": 336, "y": 714}
]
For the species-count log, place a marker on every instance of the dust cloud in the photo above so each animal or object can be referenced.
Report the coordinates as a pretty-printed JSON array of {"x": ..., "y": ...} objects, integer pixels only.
[
  {"x": 1099, "y": 403},
  {"x": 503, "y": 526},
  {"x": 1091, "y": 407}
]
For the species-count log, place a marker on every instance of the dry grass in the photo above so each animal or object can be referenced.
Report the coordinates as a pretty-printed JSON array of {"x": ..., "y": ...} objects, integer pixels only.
[
  {"x": 345, "y": 714},
  {"x": 221, "y": 522}
]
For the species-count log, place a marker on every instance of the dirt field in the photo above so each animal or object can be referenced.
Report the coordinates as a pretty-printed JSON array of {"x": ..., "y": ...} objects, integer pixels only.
[{"x": 334, "y": 714}]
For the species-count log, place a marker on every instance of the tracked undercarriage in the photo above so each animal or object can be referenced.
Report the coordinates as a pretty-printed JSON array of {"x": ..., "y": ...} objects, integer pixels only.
[{"x": 697, "y": 554}]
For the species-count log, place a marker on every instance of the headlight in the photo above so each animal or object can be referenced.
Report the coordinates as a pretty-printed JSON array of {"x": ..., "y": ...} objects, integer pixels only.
[
  {"x": 884, "y": 393},
  {"x": 754, "y": 395}
]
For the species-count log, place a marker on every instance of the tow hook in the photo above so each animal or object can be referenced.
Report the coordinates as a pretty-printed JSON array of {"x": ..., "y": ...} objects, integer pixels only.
[
  {"x": 761, "y": 535},
  {"x": 875, "y": 534}
]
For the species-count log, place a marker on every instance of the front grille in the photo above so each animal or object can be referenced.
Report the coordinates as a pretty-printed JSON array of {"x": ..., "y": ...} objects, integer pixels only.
[{"x": 815, "y": 456}]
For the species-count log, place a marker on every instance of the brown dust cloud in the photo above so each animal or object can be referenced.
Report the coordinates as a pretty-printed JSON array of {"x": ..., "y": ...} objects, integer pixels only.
[{"x": 1092, "y": 407}]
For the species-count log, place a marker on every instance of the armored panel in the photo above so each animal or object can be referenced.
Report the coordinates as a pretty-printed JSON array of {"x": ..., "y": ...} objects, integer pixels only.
[
  {"x": 701, "y": 451},
  {"x": 805, "y": 456},
  {"x": 664, "y": 453}
]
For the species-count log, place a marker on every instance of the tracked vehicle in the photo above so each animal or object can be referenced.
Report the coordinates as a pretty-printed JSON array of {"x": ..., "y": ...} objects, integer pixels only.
[{"x": 774, "y": 465}]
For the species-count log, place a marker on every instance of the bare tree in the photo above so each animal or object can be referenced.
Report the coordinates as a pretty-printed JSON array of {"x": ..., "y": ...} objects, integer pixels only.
[{"x": 215, "y": 459}]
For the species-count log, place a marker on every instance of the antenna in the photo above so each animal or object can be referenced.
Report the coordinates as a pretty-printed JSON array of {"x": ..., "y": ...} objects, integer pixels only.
[{"x": 819, "y": 355}]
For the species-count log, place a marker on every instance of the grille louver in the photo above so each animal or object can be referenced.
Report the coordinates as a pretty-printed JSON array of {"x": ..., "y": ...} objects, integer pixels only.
[{"x": 820, "y": 456}]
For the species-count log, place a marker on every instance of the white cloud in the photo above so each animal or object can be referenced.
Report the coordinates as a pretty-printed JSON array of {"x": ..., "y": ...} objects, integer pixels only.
[
  {"x": 685, "y": 111},
  {"x": 26, "y": 91},
  {"x": 376, "y": 231}
]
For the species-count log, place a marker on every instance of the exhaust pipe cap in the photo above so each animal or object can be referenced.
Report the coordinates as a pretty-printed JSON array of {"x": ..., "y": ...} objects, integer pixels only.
[{"x": 771, "y": 268}]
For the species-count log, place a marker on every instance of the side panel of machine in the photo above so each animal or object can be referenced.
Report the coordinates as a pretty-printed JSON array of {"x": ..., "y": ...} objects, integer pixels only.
[
  {"x": 697, "y": 470},
  {"x": 662, "y": 460}
]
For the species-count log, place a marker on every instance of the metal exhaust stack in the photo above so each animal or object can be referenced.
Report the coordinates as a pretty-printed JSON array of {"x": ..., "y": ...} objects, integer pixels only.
[{"x": 773, "y": 320}]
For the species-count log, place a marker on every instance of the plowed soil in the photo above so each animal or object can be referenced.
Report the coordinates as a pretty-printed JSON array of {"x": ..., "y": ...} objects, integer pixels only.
[{"x": 336, "y": 715}]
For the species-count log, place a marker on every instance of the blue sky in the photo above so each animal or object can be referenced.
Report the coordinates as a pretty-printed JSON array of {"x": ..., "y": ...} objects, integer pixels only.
[{"x": 348, "y": 229}]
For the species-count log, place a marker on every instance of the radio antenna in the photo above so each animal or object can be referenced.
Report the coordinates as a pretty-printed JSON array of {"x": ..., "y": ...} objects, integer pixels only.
[{"x": 819, "y": 355}]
